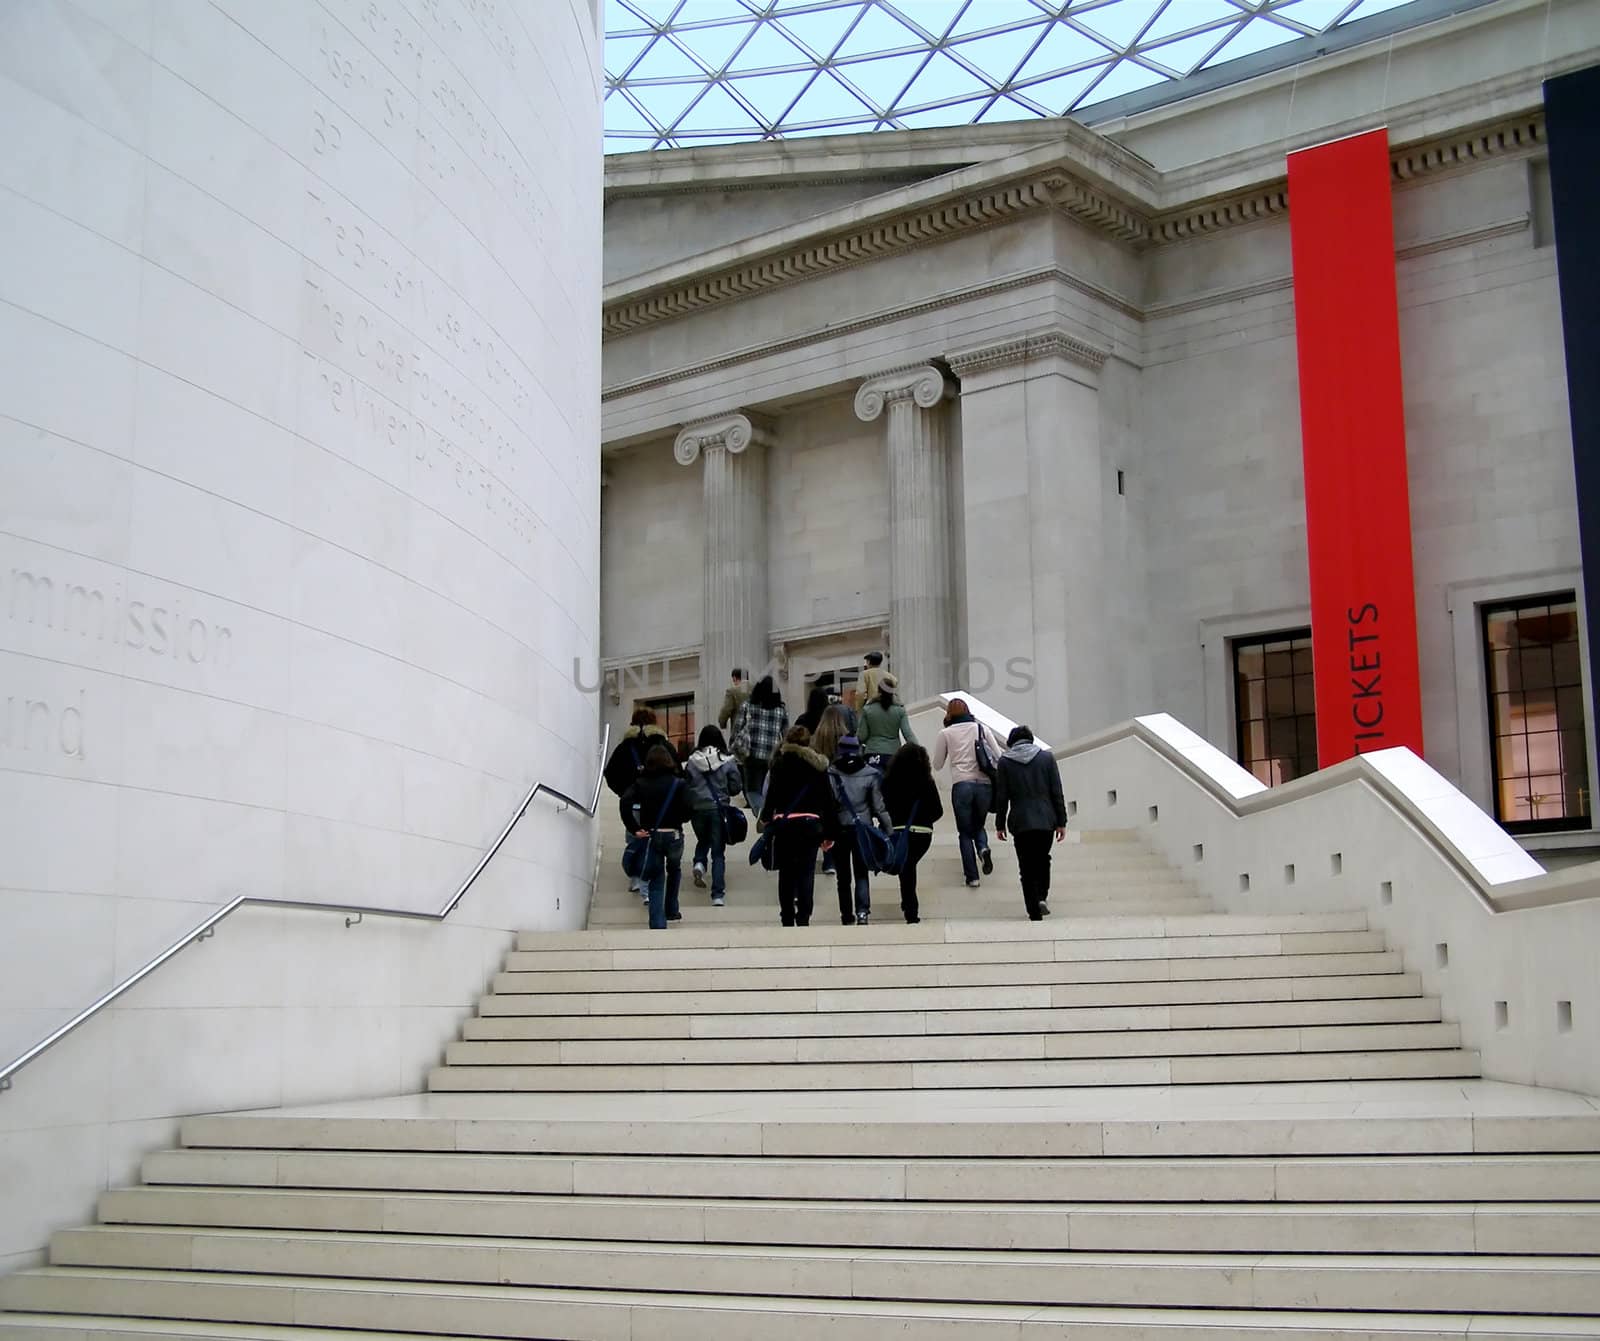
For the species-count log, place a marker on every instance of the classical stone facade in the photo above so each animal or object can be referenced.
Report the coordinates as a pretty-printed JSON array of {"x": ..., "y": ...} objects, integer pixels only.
[{"x": 1072, "y": 476}]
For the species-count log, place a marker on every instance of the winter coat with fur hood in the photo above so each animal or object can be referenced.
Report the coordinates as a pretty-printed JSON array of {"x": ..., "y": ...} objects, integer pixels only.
[
  {"x": 798, "y": 783},
  {"x": 714, "y": 778},
  {"x": 627, "y": 760}
]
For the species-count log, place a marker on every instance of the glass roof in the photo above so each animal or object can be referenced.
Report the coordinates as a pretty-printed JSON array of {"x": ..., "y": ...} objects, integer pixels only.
[{"x": 685, "y": 72}]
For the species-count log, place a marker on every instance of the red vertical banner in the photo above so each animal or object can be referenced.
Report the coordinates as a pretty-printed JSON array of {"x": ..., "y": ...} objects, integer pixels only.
[{"x": 1353, "y": 436}]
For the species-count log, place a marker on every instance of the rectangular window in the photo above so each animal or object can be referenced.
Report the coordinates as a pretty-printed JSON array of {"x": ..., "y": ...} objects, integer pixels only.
[
  {"x": 1273, "y": 705},
  {"x": 1534, "y": 677},
  {"x": 675, "y": 716}
]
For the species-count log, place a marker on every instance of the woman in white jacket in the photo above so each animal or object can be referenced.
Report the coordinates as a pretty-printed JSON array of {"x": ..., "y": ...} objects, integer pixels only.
[
  {"x": 971, "y": 782},
  {"x": 714, "y": 779}
]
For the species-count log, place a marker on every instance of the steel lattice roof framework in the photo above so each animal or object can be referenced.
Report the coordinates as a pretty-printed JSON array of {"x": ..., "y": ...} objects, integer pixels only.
[{"x": 684, "y": 72}]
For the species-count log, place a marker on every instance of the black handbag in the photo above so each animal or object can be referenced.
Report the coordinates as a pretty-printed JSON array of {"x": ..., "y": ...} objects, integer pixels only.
[
  {"x": 735, "y": 825},
  {"x": 636, "y": 855},
  {"x": 980, "y": 748}
]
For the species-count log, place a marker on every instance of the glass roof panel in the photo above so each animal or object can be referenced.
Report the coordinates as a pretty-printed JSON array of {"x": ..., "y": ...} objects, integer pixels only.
[{"x": 904, "y": 63}]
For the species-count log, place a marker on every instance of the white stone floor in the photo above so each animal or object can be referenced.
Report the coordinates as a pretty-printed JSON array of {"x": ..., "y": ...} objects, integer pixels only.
[{"x": 1409, "y": 1099}]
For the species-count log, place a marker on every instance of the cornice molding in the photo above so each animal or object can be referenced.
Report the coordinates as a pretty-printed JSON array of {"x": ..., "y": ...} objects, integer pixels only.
[
  {"x": 1056, "y": 187},
  {"x": 917, "y": 228},
  {"x": 1037, "y": 345},
  {"x": 920, "y": 383},
  {"x": 736, "y": 432}
]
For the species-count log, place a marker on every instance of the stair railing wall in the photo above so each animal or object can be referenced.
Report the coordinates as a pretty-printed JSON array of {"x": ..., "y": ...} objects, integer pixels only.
[
  {"x": 270, "y": 1010},
  {"x": 1510, "y": 949}
]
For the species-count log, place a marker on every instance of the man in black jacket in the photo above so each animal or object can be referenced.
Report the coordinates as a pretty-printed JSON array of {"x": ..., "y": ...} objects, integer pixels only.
[
  {"x": 1028, "y": 803},
  {"x": 655, "y": 809}
]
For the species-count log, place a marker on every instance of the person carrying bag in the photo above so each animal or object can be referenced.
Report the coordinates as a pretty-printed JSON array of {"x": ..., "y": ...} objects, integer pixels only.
[
  {"x": 914, "y": 808},
  {"x": 713, "y": 777},
  {"x": 858, "y": 794},
  {"x": 654, "y": 855},
  {"x": 796, "y": 821}
]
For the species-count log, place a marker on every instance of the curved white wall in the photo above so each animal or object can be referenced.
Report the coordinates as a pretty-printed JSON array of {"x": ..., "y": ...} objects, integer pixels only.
[{"x": 299, "y": 480}]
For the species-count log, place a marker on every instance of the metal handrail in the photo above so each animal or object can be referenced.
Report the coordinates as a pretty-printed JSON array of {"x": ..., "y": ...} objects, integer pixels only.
[{"x": 207, "y": 928}]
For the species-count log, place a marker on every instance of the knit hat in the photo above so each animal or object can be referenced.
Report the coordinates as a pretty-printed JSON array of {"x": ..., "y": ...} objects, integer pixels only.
[{"x": 848, "y": 745}]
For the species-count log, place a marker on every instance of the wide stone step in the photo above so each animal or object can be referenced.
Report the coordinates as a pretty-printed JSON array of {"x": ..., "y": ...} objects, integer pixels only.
[
  {"x": 609, "y": 1315},
  {"x": 1371, "y": 1227},
  {"x": 935, "y": 1075},
  {"x": 1089, "y": 1019},
  {"x": 1013, "y": 1046},
  {"x": 857, "y": 950},
  {"x": 429, "y": 1270},
  {"x": 888, "y": 931},
  {"x": 1107, "y": 956},
  {"x": 1033, "y": 986},
  {"x": 698, "y": 911},
  {"x": 1338, "y": 1179}
]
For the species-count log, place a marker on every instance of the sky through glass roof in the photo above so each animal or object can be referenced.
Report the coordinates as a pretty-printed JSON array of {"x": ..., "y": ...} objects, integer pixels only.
[{"x": 685, "y": 72}]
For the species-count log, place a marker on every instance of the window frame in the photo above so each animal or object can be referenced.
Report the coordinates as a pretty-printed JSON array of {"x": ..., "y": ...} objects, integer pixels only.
[
  {"x": 1263, "y": 639},
  {"x": 1485, "y": 611},
  {"x": 1471, "y": 768}
]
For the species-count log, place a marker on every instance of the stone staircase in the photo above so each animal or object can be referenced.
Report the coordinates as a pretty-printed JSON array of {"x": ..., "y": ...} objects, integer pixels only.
[{"x": 1174, "y": 1124}]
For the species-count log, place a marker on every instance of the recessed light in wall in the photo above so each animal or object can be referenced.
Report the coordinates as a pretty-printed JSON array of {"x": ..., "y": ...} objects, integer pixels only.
[
  {"x": 1441, "y": 954},
  {"x": 1336, "y": 863},
  {"x": 1199, "y": 851},
  {"x": 1502, "y": 1015},
  {"x": 1122, "y": 483},
  {"x": 1563, "y": 1017},
  {"x": 1288, "y": 874},
  {"x": 1244, "y": 882},
  {"x": 1111, "y": 797},
  {"x": 1386, "y": 892},
  {"x": 1155, "y": 814}
]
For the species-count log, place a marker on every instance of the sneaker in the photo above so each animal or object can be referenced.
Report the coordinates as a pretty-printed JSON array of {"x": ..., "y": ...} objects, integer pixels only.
[
  {"x": 972, "y": 884},
  {"x": 634, "y": 887},
  {"x": 717, "y": 900},
  {"x": 863, "y": 918},
  {"x": 912, "y": 921},
  {"x": 674, "y": 917},
  {"x": 1045, "y": 909},
  {"x": 988, "y": 862},
  {"x": 699, "y": 877}
]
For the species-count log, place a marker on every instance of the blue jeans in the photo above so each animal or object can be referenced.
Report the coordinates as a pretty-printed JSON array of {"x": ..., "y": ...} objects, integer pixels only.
[
  {"x": 971, "y": 802},
  {"x": 855, "y": 895},
  {"x": 708, "y": 841},
  {"x": 663, "y": 871}
]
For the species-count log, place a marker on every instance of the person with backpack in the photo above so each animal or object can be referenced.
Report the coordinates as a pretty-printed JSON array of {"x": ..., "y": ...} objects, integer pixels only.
[
  {"x": 655, "y": 809},
  {"x": 972, "y": 752},
  {"x": 758, "y": 731},
  {"x": 884, "y": 724},
  {"x": 1028, "y": 804},
  {"x": 797, "y": 807},
  {"x": 914, "y": 808},
  {"x": 627, "y": 760},
  {"x": 714, "y": 779},
  {"x": 858, "y": 798}
]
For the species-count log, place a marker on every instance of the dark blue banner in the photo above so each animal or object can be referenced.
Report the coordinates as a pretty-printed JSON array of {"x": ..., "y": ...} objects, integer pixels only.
[{"x": 1572, "y": 126}]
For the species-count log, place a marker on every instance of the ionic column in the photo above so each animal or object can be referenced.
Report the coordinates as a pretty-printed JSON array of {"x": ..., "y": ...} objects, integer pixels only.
[
  {"x": 921, "y": 608},
  {"x": 734, "y": 591}
]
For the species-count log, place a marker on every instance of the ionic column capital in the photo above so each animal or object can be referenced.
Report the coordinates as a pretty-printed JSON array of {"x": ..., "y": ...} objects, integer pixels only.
[
  {"x": 922, "y": 384},
  {"x": 736, "y": 432}
]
